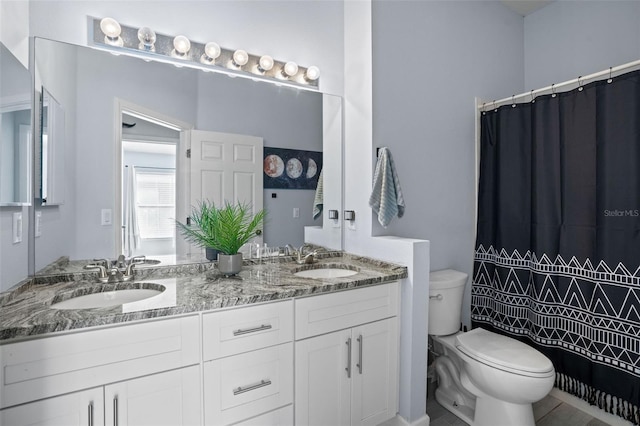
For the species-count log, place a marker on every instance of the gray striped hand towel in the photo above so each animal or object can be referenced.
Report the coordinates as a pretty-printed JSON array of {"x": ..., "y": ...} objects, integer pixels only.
[{"x": 386, "y": 197}]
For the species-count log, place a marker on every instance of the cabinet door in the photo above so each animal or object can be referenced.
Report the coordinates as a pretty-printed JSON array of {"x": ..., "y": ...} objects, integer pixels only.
[
  {"x": 375, "y": 372},
  {"x": 323, "y": 379},
  {"x": 83, "y": 408},
  {"x": 171, "y": 398}
]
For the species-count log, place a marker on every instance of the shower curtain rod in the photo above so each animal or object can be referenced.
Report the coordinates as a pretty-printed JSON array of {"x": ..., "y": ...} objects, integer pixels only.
[{"x": 580, "y": 81}]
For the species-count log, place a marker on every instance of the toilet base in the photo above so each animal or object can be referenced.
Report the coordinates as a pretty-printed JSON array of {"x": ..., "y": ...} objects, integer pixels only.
[
  {"x": 449, "y": 399},
  {"x": 493, "y": 412}
]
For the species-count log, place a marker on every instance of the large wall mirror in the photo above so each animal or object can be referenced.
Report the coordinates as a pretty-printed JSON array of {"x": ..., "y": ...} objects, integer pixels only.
[
  {"x": 15, "y": 131},
  {"x": 127, "y": 125}
]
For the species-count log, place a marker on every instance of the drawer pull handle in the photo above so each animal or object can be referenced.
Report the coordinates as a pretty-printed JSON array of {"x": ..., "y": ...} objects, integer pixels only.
[
  {"x": 263, "y": 383},
  {"x": 252, "y": 330},
  {"x": 90, "y": 423},
  {"x": 348, "y": 369}
]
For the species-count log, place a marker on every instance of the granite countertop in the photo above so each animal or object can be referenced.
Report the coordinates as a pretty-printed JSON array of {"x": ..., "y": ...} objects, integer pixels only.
[{"x": 188, "y": 288}]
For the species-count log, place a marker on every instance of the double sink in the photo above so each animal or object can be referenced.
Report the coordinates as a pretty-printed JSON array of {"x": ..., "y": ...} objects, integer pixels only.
[{"x": 104, "y": 299}]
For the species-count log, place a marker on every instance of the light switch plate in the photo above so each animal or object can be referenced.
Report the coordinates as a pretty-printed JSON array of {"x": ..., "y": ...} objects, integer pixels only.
[
  {"x": 105, "y": 218},
  {"x": 38, "y": 224}
]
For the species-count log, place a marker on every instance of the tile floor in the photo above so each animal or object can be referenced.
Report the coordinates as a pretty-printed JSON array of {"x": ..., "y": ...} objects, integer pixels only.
[{"x": 548, "y": 412}]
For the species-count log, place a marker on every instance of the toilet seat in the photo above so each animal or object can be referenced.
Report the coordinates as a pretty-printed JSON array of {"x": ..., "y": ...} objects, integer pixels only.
[{"x": 504, "y": 353}]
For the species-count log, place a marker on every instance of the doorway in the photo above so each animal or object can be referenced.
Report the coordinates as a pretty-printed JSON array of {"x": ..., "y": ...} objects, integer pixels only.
[{"x": 147, "y": 147}]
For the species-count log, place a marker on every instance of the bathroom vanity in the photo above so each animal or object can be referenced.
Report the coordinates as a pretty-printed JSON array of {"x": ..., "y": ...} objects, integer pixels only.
[{"x": 267, "y": 347}]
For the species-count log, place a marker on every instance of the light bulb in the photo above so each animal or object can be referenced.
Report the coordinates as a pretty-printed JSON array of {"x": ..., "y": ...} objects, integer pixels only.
[
  {"x": 181, "y": 44},
  {"x": 240, "y": 58},
  {"x": 110, "y": 27},
  {"x": 265, "y": 63},
  {"x": 312, "y": 73},
  {"x": 111, "y": 30},
  {"x": 290, "y": 69},
  {"x": 147, "y": 39},
  {"x": 211, "y": 52}
]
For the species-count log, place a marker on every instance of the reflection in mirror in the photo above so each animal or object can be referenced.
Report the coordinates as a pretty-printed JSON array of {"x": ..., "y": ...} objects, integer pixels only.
[
  {"x": 51, "y": 153},
  {"x": 148, "y": 204},
  {"x": 15, "y": 130},
  {"x": 99, "y": 87}
]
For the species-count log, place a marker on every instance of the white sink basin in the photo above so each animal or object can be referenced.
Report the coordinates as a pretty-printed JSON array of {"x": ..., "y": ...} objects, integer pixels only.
[
  {"x": 320, "y": 273},
  {"x": 106, "y": 298}
]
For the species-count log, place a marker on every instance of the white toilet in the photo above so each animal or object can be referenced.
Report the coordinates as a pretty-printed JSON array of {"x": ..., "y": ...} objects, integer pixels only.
[{"x": 484, "y": 378}]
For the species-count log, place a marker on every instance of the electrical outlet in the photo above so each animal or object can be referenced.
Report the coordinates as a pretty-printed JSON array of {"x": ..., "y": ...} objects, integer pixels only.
[
  {"x": 17, "y": 227},
  {"x": 105, "y": 217},
  {"x": 296, "y": 212}
]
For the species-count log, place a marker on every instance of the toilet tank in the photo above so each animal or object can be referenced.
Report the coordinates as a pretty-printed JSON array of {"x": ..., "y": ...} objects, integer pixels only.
[{"x": 446, "y": 289}]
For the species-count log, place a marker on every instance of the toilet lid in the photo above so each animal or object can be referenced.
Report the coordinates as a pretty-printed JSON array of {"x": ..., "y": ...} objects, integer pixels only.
[{"x": 503, "y": 352}]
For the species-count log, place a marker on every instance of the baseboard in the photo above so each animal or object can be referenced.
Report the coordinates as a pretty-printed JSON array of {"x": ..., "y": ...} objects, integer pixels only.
[
  {"x": 591, "y": 410},
  {"x": 400, "y": 421}
]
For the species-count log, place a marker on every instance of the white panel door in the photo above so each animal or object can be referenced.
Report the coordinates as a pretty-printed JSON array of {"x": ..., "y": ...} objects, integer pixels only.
[
  {"x": 226, "y": 168},
  {"x": 172, "y": 398},
  {"x": 322, "y": 382},
  {"x": 374, "y": 386},
  {"x": 74, "y": 409}
]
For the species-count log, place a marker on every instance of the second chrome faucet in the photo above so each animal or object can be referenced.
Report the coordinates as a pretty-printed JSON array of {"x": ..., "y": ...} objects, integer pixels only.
[{"x": 117, "y": 270}]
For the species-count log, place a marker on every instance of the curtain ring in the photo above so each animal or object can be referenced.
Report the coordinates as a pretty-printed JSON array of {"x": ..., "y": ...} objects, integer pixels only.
[
  {"x": 513, "y": 102},
  {"x": 580, "y": 88},
  {"x": 533, "y": 100},
  {"x": 484, "y": 111},
  {"x": 610, "y": 79},
  {"x": 553, "y": 91},
  {"x": 494, "y": 106}
]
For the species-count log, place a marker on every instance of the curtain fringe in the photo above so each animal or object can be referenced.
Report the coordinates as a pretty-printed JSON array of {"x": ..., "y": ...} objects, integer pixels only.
[{"x": 609, "y": 403}]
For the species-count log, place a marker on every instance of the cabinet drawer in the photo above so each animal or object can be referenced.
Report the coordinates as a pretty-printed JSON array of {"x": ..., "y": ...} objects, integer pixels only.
[
  {"x": 55, "y": 365},
  {"x": 280, "y": 417},
  {"x": 247, "y": 385},
  {"x": 336, "y": 311},
  {"x": 245, "y": 329}
]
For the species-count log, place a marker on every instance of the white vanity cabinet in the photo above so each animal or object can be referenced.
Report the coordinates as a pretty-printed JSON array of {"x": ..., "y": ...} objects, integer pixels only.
[
  {"x": 348, "y": 376},
  {"x": 248, "y": 365},
  {"x": 171, "y": 398},
  {"x": 75, "y": 409},
  {"x": 232, "y": 366},
  {"x": 144, "y": 373}
]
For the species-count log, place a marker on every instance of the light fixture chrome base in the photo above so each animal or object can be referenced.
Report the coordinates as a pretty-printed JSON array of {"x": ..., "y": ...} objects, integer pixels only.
[{"x": 163, "y": 48}]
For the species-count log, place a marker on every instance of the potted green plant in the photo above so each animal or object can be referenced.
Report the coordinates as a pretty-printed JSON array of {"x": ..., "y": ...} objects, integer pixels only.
[
  {"x": 225, "y": 229},
  {"x": 199, "y": 230}
]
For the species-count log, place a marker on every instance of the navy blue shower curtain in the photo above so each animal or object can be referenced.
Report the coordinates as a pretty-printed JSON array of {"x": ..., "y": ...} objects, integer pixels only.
[{"x": 557, "y": 261}]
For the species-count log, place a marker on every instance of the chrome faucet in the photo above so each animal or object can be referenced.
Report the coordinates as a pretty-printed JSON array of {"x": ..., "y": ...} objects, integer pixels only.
[
  {"x": 117, "y": 270},
  {"x": 299, "y": 255}
]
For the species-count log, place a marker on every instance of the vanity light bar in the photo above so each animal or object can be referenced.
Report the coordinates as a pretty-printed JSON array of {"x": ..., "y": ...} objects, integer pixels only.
[{"x": 181, "y": 49}]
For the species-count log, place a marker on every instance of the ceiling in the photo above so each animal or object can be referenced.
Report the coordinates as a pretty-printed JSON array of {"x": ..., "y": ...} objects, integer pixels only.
[{"x": 525, "y": 7}]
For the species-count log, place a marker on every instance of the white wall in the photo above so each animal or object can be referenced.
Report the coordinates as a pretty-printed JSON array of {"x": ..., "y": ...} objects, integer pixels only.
[
  {"x": 14, "y": 28},
  {"x": 430, "y": 59},
  {"x": 571, "y": 38}
]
